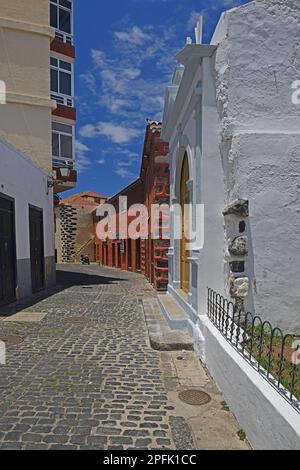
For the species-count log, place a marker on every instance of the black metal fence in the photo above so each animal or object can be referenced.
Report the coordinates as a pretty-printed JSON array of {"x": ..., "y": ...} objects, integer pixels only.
[{"x": 275, "y": 355}]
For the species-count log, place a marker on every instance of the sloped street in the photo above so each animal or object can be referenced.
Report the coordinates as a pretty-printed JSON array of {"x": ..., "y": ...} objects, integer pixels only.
[{"x": 85, "y": 376}]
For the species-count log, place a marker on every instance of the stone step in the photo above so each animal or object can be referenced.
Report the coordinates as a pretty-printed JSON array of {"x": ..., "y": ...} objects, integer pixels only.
[
  {"x": 174, "y": 314},
  {"x": 162, "y": 337}
]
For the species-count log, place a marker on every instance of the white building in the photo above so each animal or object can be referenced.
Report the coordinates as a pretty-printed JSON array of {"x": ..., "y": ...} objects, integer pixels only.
[
  {"x": 234, "y": 135},
  {"x": 26, "y": 226},
  {"x": 229, "y": 115}
]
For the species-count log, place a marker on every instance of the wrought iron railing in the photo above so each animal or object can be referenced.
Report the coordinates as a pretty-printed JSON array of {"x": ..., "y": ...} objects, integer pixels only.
[{"x": 275, "y": 355}]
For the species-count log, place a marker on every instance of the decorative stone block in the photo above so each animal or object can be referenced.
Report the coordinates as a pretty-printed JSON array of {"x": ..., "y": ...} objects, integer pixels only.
[
  {"x": 237, "y": 266},
  {"x": 239, "y": 287},
  {"x": 239, "y": 246},
  {"x": 239, "y": 208}
]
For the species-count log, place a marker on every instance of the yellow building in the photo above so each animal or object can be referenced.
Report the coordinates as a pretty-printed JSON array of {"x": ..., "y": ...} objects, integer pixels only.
[
  {"x": 38, "y": 118},
  {"x": 37, "y": 138}
]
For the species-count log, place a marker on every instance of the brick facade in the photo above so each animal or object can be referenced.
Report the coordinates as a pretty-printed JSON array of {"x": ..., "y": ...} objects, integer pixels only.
[{"x": 147, "y": 256}]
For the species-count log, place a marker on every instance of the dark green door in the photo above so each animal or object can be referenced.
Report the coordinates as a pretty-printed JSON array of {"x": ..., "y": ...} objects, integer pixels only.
[
  {"x": 7, "y": 251},
  {"x": 36, "y": 248}
]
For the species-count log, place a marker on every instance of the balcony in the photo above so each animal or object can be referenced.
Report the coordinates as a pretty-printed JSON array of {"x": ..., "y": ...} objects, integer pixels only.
[
  {"x": 63, "y": 99},
  {"x": 64, "y": 37},
  {"x": 61, "y": 19},
  {"x": 64, "y": 177}
]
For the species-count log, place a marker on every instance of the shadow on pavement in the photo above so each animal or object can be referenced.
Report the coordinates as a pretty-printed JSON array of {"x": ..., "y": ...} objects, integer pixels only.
[
  {"x": 65, "y": 278},
  {"x": 71, "y": 278}
]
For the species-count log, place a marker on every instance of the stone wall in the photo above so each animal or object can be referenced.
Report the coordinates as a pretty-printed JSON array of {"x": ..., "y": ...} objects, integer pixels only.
[{"x": 256, "y": 62}]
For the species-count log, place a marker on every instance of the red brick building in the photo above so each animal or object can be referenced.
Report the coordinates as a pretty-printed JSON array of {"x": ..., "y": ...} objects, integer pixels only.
[{"x": 145, "y": 255}]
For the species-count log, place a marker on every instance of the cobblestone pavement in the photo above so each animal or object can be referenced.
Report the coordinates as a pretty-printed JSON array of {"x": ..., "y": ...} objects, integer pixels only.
[
  {"x": 84, "y": 386},
  {"x": 97, "y": 385}
]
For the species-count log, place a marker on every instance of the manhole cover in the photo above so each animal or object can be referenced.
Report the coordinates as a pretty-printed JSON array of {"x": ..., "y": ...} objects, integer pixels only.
[
  {"x": 77, "y": 321},
  {"x": 194, "y": 397},
  {"x": 11, "y": 340}
]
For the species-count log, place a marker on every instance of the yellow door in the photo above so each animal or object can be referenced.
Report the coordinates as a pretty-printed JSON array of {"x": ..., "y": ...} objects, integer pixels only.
[{"x": 184, "y": 253}]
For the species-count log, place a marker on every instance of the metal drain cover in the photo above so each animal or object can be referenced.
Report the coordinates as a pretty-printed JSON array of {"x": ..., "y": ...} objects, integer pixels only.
[
  {"x": 12, "y": 340},
  {"x": 194, "y": 397},
  {"x": 77, "y": 321}
]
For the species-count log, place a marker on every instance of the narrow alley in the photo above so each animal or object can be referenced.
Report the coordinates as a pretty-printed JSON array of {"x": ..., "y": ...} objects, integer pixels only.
[{"x": 80, "y": 373}]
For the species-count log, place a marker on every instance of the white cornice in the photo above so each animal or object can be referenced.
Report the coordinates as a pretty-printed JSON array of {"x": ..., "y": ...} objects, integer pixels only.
[
  {"x": 195, "y": 50},
  {"x": 191, "y": 56},
  {"x": 30, "y": 100},
  {"x": 42, "y": 30}
]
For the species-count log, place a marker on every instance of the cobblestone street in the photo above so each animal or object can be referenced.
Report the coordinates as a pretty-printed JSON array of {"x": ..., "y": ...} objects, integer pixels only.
[{"x": 93, "y": 385}]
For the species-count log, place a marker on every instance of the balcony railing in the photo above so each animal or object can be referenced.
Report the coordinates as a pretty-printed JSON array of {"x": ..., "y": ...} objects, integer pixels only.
[
  {"x": 63, "y": 163},
  {"x": 64, "y": 37},
  {"x": 272, "y": 353},
  {"x": 63, "y": 99}
]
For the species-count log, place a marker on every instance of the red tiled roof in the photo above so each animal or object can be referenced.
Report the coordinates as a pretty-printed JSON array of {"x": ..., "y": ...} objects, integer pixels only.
[{"x": 82, "y": 199}]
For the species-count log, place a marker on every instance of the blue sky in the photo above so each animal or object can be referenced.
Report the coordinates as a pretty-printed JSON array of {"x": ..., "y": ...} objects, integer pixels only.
[{"x": 125, "y": 57}]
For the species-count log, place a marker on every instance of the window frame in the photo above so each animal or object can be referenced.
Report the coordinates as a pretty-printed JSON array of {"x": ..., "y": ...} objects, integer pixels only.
[
  {"x": 62, "y": 35},
  {"x": 61, "y": 98},
  {"x": 65, "y": 162}
]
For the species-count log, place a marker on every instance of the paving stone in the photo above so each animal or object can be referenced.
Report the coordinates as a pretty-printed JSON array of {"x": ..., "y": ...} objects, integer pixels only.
[
  {"x": 92, "y": 386},
  {"x": 12, "y": 436},
  {"x": 56, "y": 439},
  {"x": 121, "y": 440}
]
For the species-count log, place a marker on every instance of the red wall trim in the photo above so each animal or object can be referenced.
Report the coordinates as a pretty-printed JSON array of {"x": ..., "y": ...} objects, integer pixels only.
[
  {"x": 65, "y": 111},
  {"x": 63, "y": 48}
]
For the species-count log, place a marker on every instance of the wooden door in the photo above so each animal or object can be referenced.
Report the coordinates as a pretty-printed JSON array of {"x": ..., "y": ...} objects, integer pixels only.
[
  {"x": 36, "y": 248},
  {"x": 184, "y": 201},
  {"x": 7, "y": 251}
]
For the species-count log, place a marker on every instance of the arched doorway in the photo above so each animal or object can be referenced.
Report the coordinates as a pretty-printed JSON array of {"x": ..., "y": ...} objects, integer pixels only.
[{"x": 184, "y": 201}]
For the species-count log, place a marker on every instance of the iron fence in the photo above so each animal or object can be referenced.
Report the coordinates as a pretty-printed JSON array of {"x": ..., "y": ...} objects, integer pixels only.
[{"x": 275, "y": 355}]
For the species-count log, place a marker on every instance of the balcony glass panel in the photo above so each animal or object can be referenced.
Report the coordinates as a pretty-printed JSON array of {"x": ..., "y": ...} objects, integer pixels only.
[
  {"x": 65, "y": 21},
  {"x": 53, "y": 16},
  {"x": 65, "y": 84},
  {"x": 54, "y": 80},
  {"x": 66, "y": 143},
  {"x": 55, "y": 144}
]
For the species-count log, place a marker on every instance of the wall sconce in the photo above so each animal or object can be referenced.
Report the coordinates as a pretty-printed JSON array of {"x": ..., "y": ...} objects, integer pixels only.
[{"x": 64, "y": 172}]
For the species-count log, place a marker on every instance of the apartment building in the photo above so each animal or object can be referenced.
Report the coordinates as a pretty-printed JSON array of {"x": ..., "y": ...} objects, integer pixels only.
[
  {"x": 62, "y": 56},
  {"x": 37, "y": 135}
]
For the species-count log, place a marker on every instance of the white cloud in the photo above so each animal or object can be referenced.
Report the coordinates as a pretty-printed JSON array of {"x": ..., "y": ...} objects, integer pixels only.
[
  {"x": 82, "y": 160},
  {"x": 125, "y": 173},
  {"x": 122, "y": 164},
  {"x": 88, "y": 131},
  {"x": 117, "y": 134},
  {"x": 101, "y": 161},
  {"x": 132, "y": 73},
  {"x": 98, "y": 56},
  {"x": 134, "y": 36}
]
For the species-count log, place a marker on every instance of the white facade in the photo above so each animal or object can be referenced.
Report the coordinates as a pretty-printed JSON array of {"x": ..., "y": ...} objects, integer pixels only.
[
  {"x": 230, "y": 110},
  {"x": 27, "y": 185}
]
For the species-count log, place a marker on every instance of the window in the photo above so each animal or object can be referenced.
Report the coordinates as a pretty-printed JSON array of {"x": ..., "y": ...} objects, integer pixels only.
[
  {"x": 62, "y": 144},
  {"x": 61, "y": 81},
  {"x": 61, "y": 19}
]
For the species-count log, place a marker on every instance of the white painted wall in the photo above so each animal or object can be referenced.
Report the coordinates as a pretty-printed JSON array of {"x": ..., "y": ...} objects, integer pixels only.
[
  {"x": 256, "y": 62},
  {"x": 195, "y": 131},
  {"x": 269, "y": 421},
  {"x": 27, "y": 184},
  {"x": 242, "y": 134}
]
